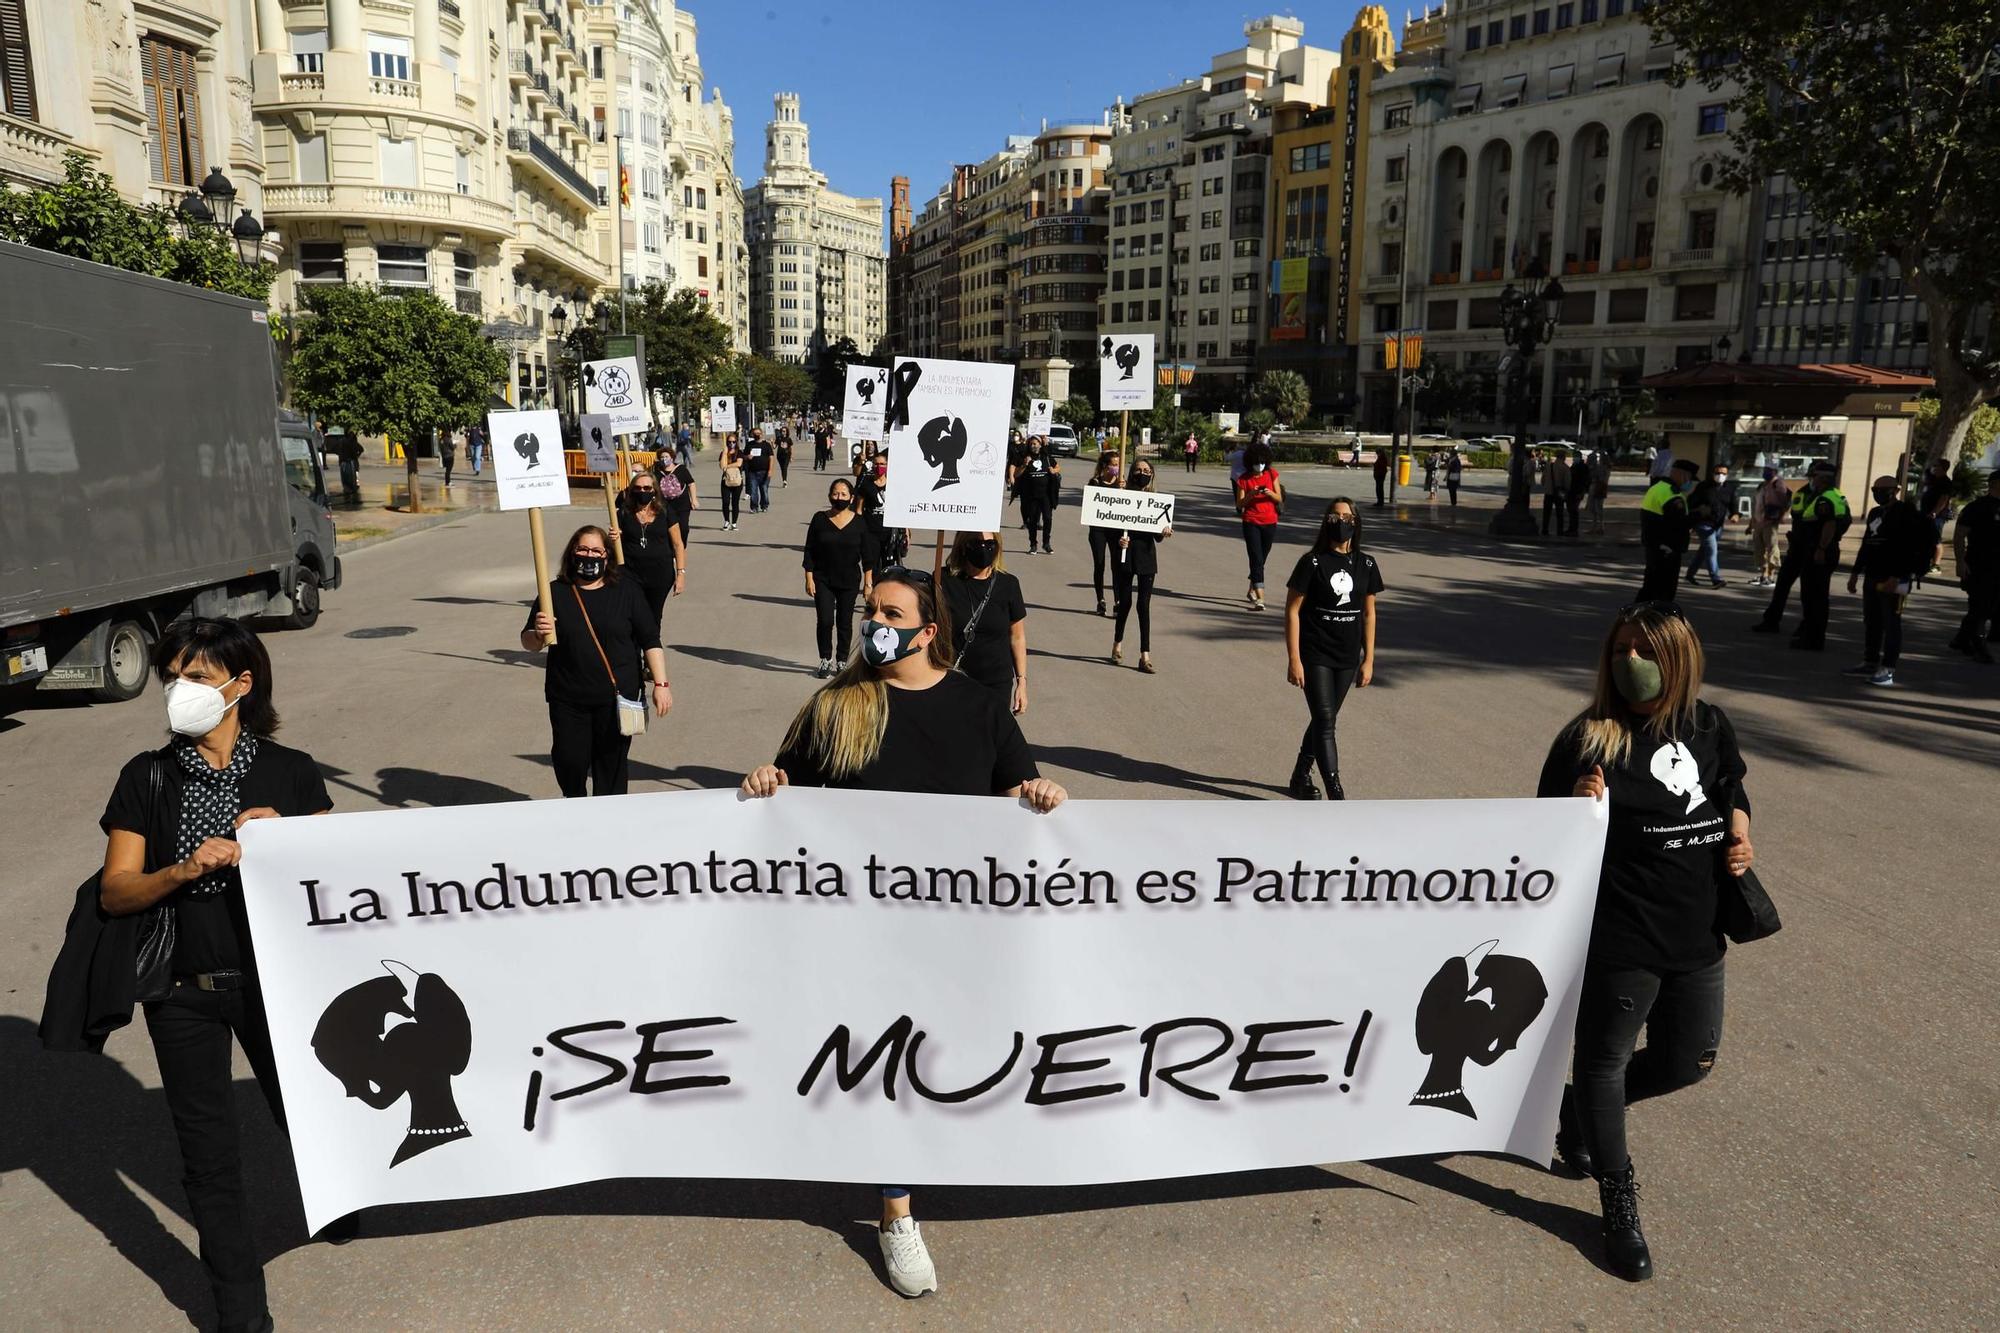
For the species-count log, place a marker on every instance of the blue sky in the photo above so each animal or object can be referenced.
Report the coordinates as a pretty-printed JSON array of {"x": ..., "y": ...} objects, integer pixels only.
[{"x": 891, "y": 87}]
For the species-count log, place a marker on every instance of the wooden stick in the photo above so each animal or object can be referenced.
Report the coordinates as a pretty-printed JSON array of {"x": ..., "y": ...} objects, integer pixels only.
[
  {"x": 1124, "y": 437},
  {"x": 543, "y": 603},
  {"x": 611, "y": 520}
]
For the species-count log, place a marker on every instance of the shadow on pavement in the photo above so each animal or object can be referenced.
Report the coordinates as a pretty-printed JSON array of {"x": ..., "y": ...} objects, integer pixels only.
[
  {"x": 405, "y": 787},
  {"x": 1579, "y": 1228},
  {"x": 696, "y": 777},
  {"x": 1125, "y": 768},
  {"x": 742, "y": 657}
]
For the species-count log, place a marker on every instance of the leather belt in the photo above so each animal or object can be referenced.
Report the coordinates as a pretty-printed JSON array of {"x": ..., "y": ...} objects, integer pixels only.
[{"x": 215, "y": 981}]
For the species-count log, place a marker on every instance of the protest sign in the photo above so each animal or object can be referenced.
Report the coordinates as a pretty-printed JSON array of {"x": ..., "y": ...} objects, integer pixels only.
[
  {"x": 483, "y": 1000},
  {"x": 722, "y": 414},
  {"x": 600, "y": 443},
  {"x": 1041, "y": 414},
  {"x": 617, "y": 389},
  {"x": 528, "y": 458},
  {"x": 867, "y": 396},
  {"x": 1124, "y": 371},
  {"x": 946, "y": 429},
  {"x": 1139, "y": 511}
]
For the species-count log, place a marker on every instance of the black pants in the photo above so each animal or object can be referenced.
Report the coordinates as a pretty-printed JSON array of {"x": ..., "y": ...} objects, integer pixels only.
[
  {"x": 732, "y": 503},
  {"x": 1982, "y": 608},
  {"x": 1326, "y": 690},
  {"x": 1451, "y": 485},
  {"x": 834, "y": 608},
  {"x": 1815, "y": 599},
  {"x": 191, "y": 1031},
  {"x": 1663, "y": 575},
  {"x": 450, "y": 461},
  {"x": 1038, "y": 515},
  {"x": 820, "y": 453},
  {"x": 1555, "y": 506},
  {"x": 1257, "y": 539},
  {"x": 1103, "y": 546},
  {"x": 1124, "y": 582},
  {"x": 1881, "y": 627},
  {"x": 784, "y": 465},
  {"x": 587, "y": 744},
  {"x": 656, "y": 594},
  {"x": 1191, "y": 461},
  {"x": 1682, "y": 1016},
  {"x": 1381, "y": 488}
]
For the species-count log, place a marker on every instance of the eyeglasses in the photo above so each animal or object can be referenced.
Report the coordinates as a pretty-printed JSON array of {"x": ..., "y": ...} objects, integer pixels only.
[
  {"x": 585, "y": 553},
  {"x": 1671, "y": 610},
  {"x": 904, "y": 574}
]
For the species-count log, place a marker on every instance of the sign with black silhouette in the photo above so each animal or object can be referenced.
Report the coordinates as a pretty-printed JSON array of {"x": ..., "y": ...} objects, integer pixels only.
[
  {"x": 1041, "y": 415},
  {"x": 1123, "y": 990},
  {"x": 945, "y": 426},
  {"x": 721, "y": 414},
  {"x": 617, "y": 388},
  {"x": 527, "y": 452},
  {"x": 867, "y": 397},
  {"x": 402, "y": 1034},
  {"x": 1124, "y": 372},
  {"x": 600, "y": 442}
]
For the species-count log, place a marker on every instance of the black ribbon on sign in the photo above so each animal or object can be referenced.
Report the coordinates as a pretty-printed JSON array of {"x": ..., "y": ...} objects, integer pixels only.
[{"x": 896, "y": 411}]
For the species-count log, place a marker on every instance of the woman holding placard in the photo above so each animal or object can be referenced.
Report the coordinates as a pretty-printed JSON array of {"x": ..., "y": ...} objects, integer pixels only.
[
  {"x": 898, "y": 718},
  {"x": 1330, "y": 639},
  {"x": 732, "y": 482},
  {"x": 1133, "y": 572},
  {"x": 1260, "y": 499},
  {"x": 602, "y": 626},
  {"x": 1102, "y": 540}
]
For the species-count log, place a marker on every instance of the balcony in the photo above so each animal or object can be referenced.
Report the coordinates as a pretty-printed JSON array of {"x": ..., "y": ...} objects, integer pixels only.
[
  {"x": 1704, "y": 257},
  {"x": 396, "y": 90},
  {"x": 526, "y": 148},
  {"x": 389, "y": 203},
  {"x": 301, "y": 86},
  {"x": 539, "y": 243},
  {"x": 31, "y": 152},
  {"x": 520, "y": 68}
]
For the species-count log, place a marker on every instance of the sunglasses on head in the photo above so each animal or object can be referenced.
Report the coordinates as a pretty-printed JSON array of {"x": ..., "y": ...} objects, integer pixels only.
[
  {"x": 904, "y": 574},
  {"x": 1670, "y": 609}
]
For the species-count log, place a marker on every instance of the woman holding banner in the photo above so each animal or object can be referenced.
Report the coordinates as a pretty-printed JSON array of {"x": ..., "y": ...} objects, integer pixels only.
[
  {"x": 1102, "y": 540},
  {"x": 170, "y": 831},
  {"x": 1137, "y": 564},
  {"x": 898, "y": 718},
  {"x": 1668, "y": 765},
  {"x": 602, "y": 625},
  {"x": 1329, "y": 639},
  {"x": 989, "y": 617},
  {"x": 839, "y": 563},
  {"x": 1260, "y": 499},
  {"x": 732, "y": 482}
]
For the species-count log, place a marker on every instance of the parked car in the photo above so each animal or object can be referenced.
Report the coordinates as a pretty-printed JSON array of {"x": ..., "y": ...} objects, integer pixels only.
[{"x": 1062, "y": 440}]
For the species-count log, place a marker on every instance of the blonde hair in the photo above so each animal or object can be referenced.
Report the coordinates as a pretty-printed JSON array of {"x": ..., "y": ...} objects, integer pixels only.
[
  {"x": 845, "y": 719},
  {"x": 964, "y": 542},
  {"x": 1604, "y": 729}
]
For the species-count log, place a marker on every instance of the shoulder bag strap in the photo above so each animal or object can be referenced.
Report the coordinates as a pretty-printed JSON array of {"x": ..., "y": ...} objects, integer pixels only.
[
  {"x": 585, "y": 612},
  {"x": 972, "y": 624}
]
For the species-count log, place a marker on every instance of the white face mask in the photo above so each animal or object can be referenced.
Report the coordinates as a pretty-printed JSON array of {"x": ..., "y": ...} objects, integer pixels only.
[{"x": 194, "y": 709}]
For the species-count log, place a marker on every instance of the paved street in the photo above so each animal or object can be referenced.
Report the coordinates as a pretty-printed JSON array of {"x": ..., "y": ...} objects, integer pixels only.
[{"x": 1837, "y": 1170}]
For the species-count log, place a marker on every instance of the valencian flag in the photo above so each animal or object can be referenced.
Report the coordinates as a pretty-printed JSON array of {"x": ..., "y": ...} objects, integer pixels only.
[
  {"x": 1404, "y": 351},
  {"x": 624, "y": 185}
]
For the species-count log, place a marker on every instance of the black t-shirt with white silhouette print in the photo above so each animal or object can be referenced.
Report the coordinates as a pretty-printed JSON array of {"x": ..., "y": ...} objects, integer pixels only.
[
  {"x": 1656, "y": 904},
  {"x": 1333, "y": 585}
]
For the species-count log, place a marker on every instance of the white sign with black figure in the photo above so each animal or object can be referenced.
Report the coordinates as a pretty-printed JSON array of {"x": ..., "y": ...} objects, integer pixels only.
[
  {"x": 1124, "y": 371},
  {"x": 528, "y": 459},
  {"x": 722, "y": 414},
  {"x": 1138, "y": 511},
  {"x": 600, "y": 442},
  {"x": 946, "y": 424},
  {"x": 616, "y": 389},
  {"x": 867, "y": 396},
  {"x": 1041, "y": 415}
]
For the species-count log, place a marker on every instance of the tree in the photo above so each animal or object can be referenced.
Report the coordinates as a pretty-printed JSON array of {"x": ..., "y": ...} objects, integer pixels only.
[
  {"x": 1285, "y": 394},
  {"x": 1982, "y": 434},
  {"x": 1450, "y": 395},
  {"x": 685, "y": 342},
  {"x": 86, "y": 218},
  {"x": 1885, "y": 115},
  {"x": 1077, "y": 413},
  {"x": 830, "y": 371}
]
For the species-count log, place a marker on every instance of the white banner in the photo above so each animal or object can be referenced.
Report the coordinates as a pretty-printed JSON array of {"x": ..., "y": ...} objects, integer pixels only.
[
  {"x": 617, "y": 389},
  {"x": 946, "y": 427},
  {"x": 1124, "y": 371},
  {"x": 722, "y": 414},
  {"x": 1041, "y": 415},
  {"x": 528, "y": 458},
  {"x": 600, "y": 442},
  {"x": 485, "y": 1000},
  {"x": 867, "y": 396},
  {"x": 1141, "y": 511}
]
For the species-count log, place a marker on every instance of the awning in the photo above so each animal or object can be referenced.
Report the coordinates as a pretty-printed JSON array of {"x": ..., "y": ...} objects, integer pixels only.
[
  {"x": 1562, "y": 78},
  {"x": 1661, "y": 56},
  {"x": 1610, "y": 70},
  {"x": 1468, "y": 98},
  {"x": 1511, "y": 88}
]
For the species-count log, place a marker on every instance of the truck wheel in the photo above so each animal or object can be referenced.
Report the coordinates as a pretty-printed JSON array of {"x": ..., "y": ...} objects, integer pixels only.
[
  {"x": 127, "y": 662},
  {"x": 305, "y": 602}
]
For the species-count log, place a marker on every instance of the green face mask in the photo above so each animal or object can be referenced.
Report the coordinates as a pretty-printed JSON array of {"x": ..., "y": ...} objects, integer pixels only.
[{"x": 1637, "y": 678}]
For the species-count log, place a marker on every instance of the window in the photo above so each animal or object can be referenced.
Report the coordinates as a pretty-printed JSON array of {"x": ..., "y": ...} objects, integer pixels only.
[
  {"x": 1472, "y": 37},
  {"x": 1496, "y": 32},
  {"x": 1310, "y": 157},
  {"x": 1118, "y": 280},
  {"x": 309, "y": 50},
  {"x": 388, "y": 57},
  {"x": 1701, "y": 229},
  {"x": 1541, "y": 22},
  {"x": 1211, "y": 252},
  {"x": 1392, "y": 258},
  {"x": 1241, "y": 315},
  {"x": 1589, "y": 12},
  {"x": 1517, "y": 27},
  {"x": 1565, "y": 16},
  {"x": 1397, "y": 170},
  {"x": 1208, "y": 316},
  {"x": 1562, "y": 78},
  {"x": 322, "y": 261},
  {"x": 1250, "y": 248},
  {"x": 403, "y": 265},
  {"x": 1248, "y": 213},
  {"x": 1613, "y": 8},
  {"x": 1153, "y": 311},
  {"x": 17, "y": 71},
  {"x": 1714, "y": 119},
  {"x": 399, "y": 162},
  {"x": 449, "y": 59},
  {"x": 464, "y": 270},
  {"x": 1153, "y": 276},
  {"x": 173, "y": 111},
  {"x": 311, "y": 162},
  {"x": 463, "y": 173},
  {"x": 1211, "y": 219},
  {"x": 1243, "y": 282},
  {"x": 1695, "y": 302}
]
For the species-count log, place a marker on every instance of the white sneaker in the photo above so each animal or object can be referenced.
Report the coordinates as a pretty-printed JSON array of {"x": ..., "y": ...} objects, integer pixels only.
[
  {"x": 1883, "y": 677},
  {"x": 906, "y": 1258}
]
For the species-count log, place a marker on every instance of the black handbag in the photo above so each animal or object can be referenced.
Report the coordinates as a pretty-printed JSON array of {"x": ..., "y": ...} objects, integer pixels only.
[{"x": 1743, "y": 908}]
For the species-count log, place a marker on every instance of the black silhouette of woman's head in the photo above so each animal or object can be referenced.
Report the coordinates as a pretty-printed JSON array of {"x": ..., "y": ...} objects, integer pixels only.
[
  {"x": 943, "y": 440},
  {"x": 395, "y": 1035},
  {"x": 1475, "y": 1008}
]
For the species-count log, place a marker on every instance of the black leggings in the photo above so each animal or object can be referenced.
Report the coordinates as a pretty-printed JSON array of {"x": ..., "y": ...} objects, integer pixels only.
[
  {"x": 1326, "y": 689},
  {"x": 835, "y": 610},
  {"x": 1102, "y": 542},
  {"x": 1881, "y": 626},
  {"x": 1039, "y": 516},
  {"x": 1682, "y": 1015},
  {"x": 1190, "y": 461},
  {"x": 1122, "y": 579},
  {"x": 732, "y": 503},
  {"x": 1257, "y": 538},
  {"x": 586, "y": 744}
]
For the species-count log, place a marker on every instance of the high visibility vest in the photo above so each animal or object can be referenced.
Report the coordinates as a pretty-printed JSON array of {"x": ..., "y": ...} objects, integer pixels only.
[
  {"x": 1805, "y": 502},
  {"x": 1657, "y": 497}
]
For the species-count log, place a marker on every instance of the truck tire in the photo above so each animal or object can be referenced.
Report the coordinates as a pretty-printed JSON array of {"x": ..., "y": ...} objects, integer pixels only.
[
  {"x": 128, "y": 653},
  {"x": 305, "y": 602}
]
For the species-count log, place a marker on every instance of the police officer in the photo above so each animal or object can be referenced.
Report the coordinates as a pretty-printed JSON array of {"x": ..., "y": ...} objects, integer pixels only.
[
  {"x": 1664, "y": 526},
  {"x": 1812, "y": 553},
  {"x": 1976, "y": 543}
]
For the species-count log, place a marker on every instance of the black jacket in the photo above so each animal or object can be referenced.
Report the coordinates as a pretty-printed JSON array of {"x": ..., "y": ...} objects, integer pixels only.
[{"x": 1897, "y": 542}]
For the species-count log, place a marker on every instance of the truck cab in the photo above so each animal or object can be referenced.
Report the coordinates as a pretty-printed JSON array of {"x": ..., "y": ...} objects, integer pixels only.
[{"x": 318, "y": 565}]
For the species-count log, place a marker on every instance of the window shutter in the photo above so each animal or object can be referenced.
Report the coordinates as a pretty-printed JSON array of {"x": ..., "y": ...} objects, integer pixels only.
[
  {"x": 190, "y": 113},
  {"x": 17, "y": 68},
  {"x": 150, "y": 60}
]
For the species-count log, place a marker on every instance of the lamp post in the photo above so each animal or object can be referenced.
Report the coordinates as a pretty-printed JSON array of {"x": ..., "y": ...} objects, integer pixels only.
[
  {"x": 209, "y": 208},
  {"x": 1527, "y": 321},
  {"x": 558, "y": 319}
]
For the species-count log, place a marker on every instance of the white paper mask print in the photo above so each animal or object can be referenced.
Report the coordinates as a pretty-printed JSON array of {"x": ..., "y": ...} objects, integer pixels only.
[
  {"x": 1675, "y": 769},
  {"x": 1343, "y": 585}
]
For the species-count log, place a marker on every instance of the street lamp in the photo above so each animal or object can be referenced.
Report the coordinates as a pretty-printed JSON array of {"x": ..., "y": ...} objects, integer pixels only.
[
  {"x": 210, "y": 206},
  {"x": 1527, "y": 321},
  {"x": 249, "y": 234}
]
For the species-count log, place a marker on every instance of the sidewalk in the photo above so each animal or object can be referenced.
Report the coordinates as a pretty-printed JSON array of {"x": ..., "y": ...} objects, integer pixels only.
[
  {"x": 385, "y": 512},
  {"x": 1481, "y": 496}
]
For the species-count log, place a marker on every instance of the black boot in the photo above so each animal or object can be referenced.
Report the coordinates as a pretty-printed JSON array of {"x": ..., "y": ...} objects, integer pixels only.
[
  {"x": 1569, "y": 1139},
  {"x": 1302, "y": 788},
  {"x": 1334, "y": 791},
  {"x": 1624, "y": 1244}
]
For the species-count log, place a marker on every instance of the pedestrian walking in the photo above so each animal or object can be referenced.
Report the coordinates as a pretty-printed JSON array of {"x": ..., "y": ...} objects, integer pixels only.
[
  {"x": 840, "y": 566},
  {"x": 1102, "y": 540},
  {"x": 475, "y": 448},
  {"x": 757, "y": 470},
  {"x": 784, "y": 453},
  {"x": 1664, "y": 528},
  {"x": 989, "y": 616},
  {"x": 1329, "y": 639},
  {"x": 650, "y": 536},
  {"x": 1600, "y": 490},
  {"x": 1038, "y": 482},
  {"x": 170, "y": 841},
  {"x": 1936, "y": 496},
  {"x": 1767, "y": 511},
  {"x": 1555, "y": 494},
  {"x": 733, "y": 477},
  {"x": 898, "y": 718},
  {"x": 1668, "y": 765},
  {"x": 1132, "y": 575},
  {"x": 1711, "y": 505},
  {"x": 1898, "y": 547},
  {"x": 447, "y": 453},
  {"x": 1812, "y": 553},
  {"x": 1975, "y": 545},
  {"x": 1234, "y": 458},
  {"x": 347, "y": 450},
  {"x": 1381, "y": 477},
  {"x": 1260, "y": 501},
  {"x": 603, "y": 631},
  {"x": 1431, "y": 475},
  {"x": 675, "y": 480},
  {"x": 1191, "y": 450},
  {"x": 1581, "y": 474},
  {"x": 822, "y": 445},
  {"x": 1454, "y": 475}
]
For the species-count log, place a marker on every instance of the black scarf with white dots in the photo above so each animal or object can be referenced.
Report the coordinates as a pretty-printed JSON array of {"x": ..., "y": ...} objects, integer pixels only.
[{"x": 210, "y": 802}]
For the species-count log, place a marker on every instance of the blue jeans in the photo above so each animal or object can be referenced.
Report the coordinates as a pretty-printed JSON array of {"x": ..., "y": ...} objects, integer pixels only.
[
  {"x": 1707, "y": 552},
  {"x": 760, "y": 490}
]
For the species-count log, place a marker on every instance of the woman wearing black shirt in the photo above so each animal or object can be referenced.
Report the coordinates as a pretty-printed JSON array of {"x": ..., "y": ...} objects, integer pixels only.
[
  {"x": 1102, "y": 540},
  {"x": 989, "y": 617},
  {"x": 602, "y": 625},
  {"x": 732, "y": 482},
  {"x": 1137, "y": 564},
  {"x": 1035, "y": 481},
  {"x": 675, "y": 480},
  {"x": 1330, "y": 639},
  {"x": 654, "y": 555},
  {"x": 1669, "y": 766},
  {"x": 839, "y": 563},
  {"x": 898, "y": 718},
  {"x": 171, "y": 838}
]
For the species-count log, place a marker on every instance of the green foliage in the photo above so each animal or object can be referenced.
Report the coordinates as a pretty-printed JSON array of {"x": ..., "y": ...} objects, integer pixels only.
[
  {"x": 86, "y": 218},
  {"x": 830, "y": 371},
  {"x": 400, "y": 366},
  {"x": 1980, "y": 436},
  {"x": 1077, "y": 412},
  {"x": 770, "y": 384},
  {"x": 1284, "y": 393},
  {"x": 1450, "y": 396},
  {"x": 1262, "y": 418}
]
